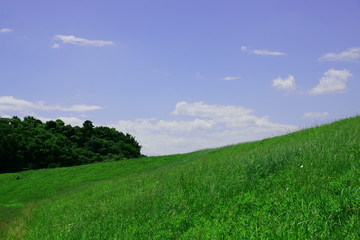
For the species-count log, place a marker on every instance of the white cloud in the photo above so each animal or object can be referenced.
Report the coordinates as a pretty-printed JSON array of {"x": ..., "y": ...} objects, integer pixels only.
[
  {"x": 350, "y": 54},
  {"x": 332, "y": 81},
  {"x": 81, "y": 41},
  {"x": 263, "y": 52},
  {"x": 73, "y": 121},
  {"x": 9, "y": 103},
  {"x": 312, "y": 115},
  {"x": 284, "y": 83},
  {"x": 5, "y": 30},
  {"x": 267, "y": 53},
  {"x": 208, "y": 126},
  {"x": 231, "y": 78},
  {"x": 55, "y": 45},
  {"x": 4, "y": 115},
  {"x": 150, "y": 125},
  {"x": 244, "y": 48}
]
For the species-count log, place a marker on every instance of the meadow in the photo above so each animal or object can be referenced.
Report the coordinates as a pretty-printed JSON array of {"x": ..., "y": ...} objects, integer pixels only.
[{"x": 303, "y": 185}]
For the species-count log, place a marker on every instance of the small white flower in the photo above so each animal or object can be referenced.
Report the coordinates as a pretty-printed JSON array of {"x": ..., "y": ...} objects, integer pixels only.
[{"x": 301, "y": 166}]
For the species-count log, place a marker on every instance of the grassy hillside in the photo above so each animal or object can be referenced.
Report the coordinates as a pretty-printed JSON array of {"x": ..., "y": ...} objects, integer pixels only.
[{"x": 304, "y": 185}]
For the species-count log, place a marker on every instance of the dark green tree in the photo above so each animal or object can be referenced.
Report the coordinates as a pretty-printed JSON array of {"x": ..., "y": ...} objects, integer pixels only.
[{"x": 31, "y": 144}]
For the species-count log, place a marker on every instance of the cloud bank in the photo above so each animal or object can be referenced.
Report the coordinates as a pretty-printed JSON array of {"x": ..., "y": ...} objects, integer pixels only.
[{"x": 206, "y": 126}]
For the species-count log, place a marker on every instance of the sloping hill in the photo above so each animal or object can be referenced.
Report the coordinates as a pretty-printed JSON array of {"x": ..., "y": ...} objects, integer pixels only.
[{"x": 304, "y": 185}]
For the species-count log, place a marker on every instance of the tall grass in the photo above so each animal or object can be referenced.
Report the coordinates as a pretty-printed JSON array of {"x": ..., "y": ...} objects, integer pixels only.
[{"x": 303, "y": 185}]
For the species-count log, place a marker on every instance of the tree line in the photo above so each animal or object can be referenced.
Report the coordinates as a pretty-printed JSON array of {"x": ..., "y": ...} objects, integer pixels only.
[{"x": 32, "y": 144}]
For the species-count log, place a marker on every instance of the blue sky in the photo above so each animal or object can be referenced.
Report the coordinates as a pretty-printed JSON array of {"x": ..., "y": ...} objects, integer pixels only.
[{"x": 181, "y": 75}]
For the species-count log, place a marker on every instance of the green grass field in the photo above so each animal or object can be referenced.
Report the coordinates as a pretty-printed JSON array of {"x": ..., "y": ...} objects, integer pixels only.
[{"x": 304, "y": 185}]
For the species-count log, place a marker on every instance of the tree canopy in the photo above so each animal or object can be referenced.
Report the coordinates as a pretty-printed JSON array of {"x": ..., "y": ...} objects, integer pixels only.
[{"x": 32, "y": 144}]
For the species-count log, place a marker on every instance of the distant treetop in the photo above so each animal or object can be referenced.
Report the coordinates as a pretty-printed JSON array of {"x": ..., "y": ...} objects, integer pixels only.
[{"x": 32, "y": 144}]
